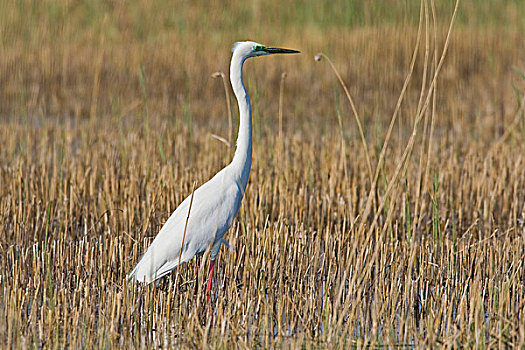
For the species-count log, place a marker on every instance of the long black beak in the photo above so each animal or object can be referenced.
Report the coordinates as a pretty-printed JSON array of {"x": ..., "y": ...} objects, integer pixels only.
[{"x": 279, "y": 50}]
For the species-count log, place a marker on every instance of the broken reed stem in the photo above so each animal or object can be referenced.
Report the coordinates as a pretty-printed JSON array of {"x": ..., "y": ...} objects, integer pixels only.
[
  {"x": 281, "y": 99},
  {"x": 221, "y": 139},
  {"x": 187, "y": 219},
  {"x": 425, "y": 126},
  {"x": 342, "y": 159},
  {"x": 354, "y": 110},
  {"x": 228, "y": 104},
  {"x": 432, "y": 117},
  {"x": 184, "y": 233}
]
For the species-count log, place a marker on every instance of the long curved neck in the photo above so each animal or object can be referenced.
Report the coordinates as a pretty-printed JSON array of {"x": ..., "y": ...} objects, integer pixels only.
[{"x": 242, "y": 159}]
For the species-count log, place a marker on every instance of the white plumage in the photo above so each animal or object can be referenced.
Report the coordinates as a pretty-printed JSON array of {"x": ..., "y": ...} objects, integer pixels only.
[
  {"x": 214, "y": 207},
  {"x": 216, "y": 203}
]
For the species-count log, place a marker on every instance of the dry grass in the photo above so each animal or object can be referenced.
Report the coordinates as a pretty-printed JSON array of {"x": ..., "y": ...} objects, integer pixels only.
[{"x": 105, "y": 129}]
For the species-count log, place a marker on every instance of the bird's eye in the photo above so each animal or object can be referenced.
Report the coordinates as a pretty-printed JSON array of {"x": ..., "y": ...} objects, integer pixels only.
[{"x": 259, "y": 48}]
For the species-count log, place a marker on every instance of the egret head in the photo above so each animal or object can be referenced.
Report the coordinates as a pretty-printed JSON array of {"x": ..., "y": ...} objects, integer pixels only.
[{"x": 247, "y": 49}]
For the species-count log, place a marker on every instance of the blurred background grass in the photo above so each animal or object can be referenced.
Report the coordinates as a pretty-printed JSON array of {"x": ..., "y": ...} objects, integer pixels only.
[{"x": 54, "y": 52}]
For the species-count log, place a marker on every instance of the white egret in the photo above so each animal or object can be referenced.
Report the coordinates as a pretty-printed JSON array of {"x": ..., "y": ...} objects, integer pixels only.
[{"x": 216, "y": 203}]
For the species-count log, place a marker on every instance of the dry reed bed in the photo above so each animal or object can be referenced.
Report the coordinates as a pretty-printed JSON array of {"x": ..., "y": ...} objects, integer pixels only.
[
  {"x": 83, "y": 197},
  {"x": 80, "y": 206}
]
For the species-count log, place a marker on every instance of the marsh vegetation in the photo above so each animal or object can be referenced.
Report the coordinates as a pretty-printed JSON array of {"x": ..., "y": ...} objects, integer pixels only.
[{"x": 412, "y": 236}]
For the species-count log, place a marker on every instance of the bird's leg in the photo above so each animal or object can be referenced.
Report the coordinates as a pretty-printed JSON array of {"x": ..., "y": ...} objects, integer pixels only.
[{"x": 208, "y": 288}]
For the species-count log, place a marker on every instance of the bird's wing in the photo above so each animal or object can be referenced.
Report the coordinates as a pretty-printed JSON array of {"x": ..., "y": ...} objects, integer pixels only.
[{"x": 214, "y": 206}]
